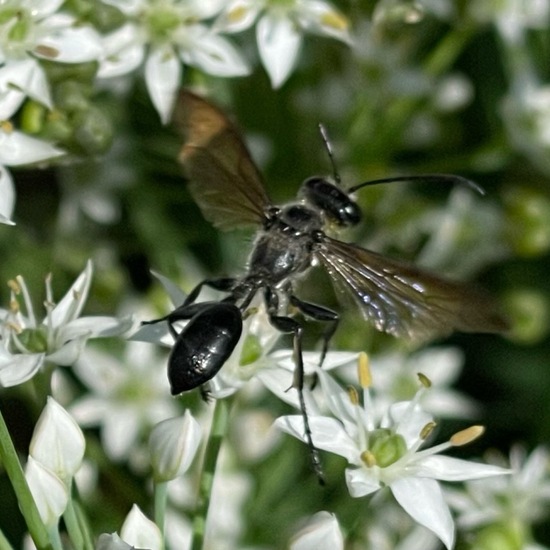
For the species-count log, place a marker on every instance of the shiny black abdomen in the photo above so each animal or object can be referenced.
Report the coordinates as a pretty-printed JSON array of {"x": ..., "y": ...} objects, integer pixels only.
[{"x": 203, "y": 346}]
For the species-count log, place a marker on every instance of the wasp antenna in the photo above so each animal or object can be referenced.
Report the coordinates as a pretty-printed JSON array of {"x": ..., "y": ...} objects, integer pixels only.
[
  {"x": 328, "y": 147},
  {"x": 434, "y": 178}
]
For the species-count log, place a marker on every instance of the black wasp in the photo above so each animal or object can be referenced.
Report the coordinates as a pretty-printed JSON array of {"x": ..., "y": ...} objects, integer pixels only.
[{"x": 395, "y": 297}]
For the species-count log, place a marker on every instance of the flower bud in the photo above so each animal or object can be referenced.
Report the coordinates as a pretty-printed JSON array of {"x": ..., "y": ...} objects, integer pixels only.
[
  {"x": 58, "y": 442},
  {"x": 49, "y": 492},
  {"x": 173, "y": 444},
  {"x": 140, "y": 531}
]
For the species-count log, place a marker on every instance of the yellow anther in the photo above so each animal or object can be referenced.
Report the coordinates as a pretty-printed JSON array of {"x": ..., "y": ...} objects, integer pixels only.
[
  {"x": 353, "y": 395},
  {"x": 335, "y": 20},
  {"x": 13, "y": 285},
  {"x": 46, "y": 51},
  {"x": 424, "y": 380},
  {"x": 427, "y": 430},
  {"x": 368, "y": 459},
  {"x": 363, "y": 370},
  {"x": 466, "y": 436},
  {"x": 237, "y": 14},
  {"x": 6, "y": 126}
]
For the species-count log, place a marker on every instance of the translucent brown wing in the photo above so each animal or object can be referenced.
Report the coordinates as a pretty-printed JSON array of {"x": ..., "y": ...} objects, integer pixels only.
[
  {"x": 404, "y": 301},
  {"x": 223, "y": 179}
]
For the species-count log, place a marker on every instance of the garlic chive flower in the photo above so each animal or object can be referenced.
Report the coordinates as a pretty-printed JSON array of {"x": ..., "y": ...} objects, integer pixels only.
[
  {"x": 279, "y": 28},
  {"x": 34, "y": 29},
  {"x": 27, "y": 343},
  {"x": 163, "y": 34},
  {"x": 387, "y": 452},
  {"x": 507, "y": 506}
]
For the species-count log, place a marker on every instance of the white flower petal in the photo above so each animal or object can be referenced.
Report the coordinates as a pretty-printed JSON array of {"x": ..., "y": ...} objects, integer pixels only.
[
  {"x": 279, "y": 45},
  {"x": 20, "y": 369},
  {"x": 7, "y": 196},
  {"x": 324, "y": 19},
  {"x": 102, "y": 372},
  {"x": 177, "y": 296},
  {"x": 112, "y": 541},
  {"x": 123, "y": 52},
  {"x": 447, "y": 468},
  {"x": 279, "y": 382},
  {"x": 423, "y": 500},
  {"x": 327, "y": 435},
  {"x": 10, "y": 101},
  {"x": 43, "y": 8},
  {"x": 17, "y": 148},
  {"x": 71, "y": 45},
  {"x": 49, "y": 493},
  {"x": 88, "y": 411},
  {"x": 204, "y": 9},
  {"x": 408, "y": 420},
  {"x": 238, "y": 16},
  {"x": 360, "y": 482},
  {"x": 213, "y": 54},
  {"x": 322, "y": 532},
  {"x": 67, "y": 354},
  {"x": 70, "y": 306},
  {"x": 162, "y": 77},
  {"x": 141, "y": 532},
  {"x": 57, "y": 442},
  {"x": 28, "y": 77},
  {"x": 98, "y": 326}
]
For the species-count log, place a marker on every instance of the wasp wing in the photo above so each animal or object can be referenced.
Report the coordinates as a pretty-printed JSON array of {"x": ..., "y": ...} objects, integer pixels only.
[
  {"x": 223, "y": 178},
  {"x": 402, "y": 300}
]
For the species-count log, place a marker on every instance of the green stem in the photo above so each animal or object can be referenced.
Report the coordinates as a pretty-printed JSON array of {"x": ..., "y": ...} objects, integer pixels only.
[
  {"x": 28, "y": 508},
  {"x": 73, "y": 527},
  {"x": 220, "y": 421},
  {"x": 4, "y": 542},
  {"x": 161, "y": 495},
  {"x": 83, "y": 524},
  {"x": 55, "y": 537}
]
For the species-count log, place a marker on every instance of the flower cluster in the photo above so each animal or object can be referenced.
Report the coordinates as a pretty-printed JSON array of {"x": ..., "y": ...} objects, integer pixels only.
[{"x": 160, "y": 36}]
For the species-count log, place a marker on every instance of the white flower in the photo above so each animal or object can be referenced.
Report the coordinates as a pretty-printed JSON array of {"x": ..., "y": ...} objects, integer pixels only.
[
  {"x": 16, "y": 148},
  {"x": 166, "y": 33},
  {"x": 322, "y": 532},
  {"x": 279, "y": 29},
  {"x": 140, "y": 531},
  {"x": 57, "y": 442},
  {"x": 522, "y": 497},
  {"x": 173, "y": 444},
  {"x": 26, "y": 343},
  {"x": 31, "y": 29},
  {"x": 49, "y": 493},
  {"x": 127, "y": 397},
  {"x": 387, "y": 453}
]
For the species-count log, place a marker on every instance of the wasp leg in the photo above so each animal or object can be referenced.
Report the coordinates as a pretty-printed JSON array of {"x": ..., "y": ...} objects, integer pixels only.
[
  {"x": 224, "y": 284},
  {"x": 319, "y": 313},
  {"x": 288, "y": 325}
]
